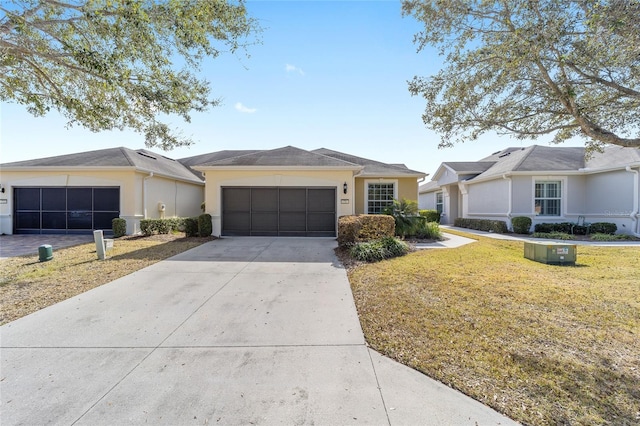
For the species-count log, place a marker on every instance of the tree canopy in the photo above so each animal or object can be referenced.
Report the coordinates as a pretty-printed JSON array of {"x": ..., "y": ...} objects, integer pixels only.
[
  {"x": 116, "y": 64},
  {"x": 529, "y": 68}
]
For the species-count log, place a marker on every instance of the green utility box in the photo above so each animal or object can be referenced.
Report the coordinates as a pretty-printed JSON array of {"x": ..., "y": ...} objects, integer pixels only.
[
  {"x": 45, "y": 252},
  {"x": 550, "y": 253}
]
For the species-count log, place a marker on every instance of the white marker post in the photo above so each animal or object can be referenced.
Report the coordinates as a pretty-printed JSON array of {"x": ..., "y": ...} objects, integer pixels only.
[{"x": 97, "y": 236}]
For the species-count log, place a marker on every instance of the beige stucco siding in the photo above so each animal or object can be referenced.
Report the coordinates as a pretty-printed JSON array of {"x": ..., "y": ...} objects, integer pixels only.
[
  {"x": 217, "y": 179},
  {"x": 406, "y": 188}
]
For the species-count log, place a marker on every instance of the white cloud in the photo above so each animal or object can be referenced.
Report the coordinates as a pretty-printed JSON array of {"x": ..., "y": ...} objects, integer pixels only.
[
  {"x": 243, "y": 108},
  {"x": 293, "y": 68}
]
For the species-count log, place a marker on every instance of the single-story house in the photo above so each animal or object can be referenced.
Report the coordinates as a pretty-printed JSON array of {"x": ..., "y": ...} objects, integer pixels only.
[
  {"x": 285, "y": 191},
  {"x": 80, "y": 192},
  {"x": 291, "y": 191},
  {"x": 547, "y": 184}
]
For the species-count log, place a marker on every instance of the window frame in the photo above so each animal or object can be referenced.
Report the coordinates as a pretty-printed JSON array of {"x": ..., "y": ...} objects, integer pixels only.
[
  {"x": 561, "y": 188},
  {"x": 369, "y": 182},
  {"x": 439, "y": 202}
]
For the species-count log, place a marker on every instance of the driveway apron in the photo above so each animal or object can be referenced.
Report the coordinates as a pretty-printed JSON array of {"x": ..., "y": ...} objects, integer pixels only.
[{"x": 236, "y": 331}]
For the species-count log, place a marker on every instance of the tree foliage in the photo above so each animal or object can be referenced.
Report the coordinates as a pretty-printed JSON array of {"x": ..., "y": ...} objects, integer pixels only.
[
  {"x": 528, "y": 68},
  {"x": 116, "y": 64}
]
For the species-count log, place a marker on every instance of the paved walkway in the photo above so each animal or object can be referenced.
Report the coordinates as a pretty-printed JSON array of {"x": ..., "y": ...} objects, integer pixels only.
[
  {"x": 22, "y": 244},
  {"x": 236, "y": 331}
]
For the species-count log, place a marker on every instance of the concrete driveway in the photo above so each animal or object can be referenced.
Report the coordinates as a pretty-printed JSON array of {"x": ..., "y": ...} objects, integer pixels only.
[{"x": 236, "y": 331}]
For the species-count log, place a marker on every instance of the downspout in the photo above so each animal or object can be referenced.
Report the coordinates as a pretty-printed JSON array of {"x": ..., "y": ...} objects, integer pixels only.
[
  {"x": 144, "y": 193},
  {"x": 509, "y": 198},
  {"x": 636, "y": 207}
]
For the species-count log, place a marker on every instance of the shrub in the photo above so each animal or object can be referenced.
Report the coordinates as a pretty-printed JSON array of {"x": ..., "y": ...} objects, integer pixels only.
[
  {"x": 374, "y": 251},
  {"x": 368, "y": 227},
  {"x": 521, "y": 224},
  {"x": 430, "y": 215},
  {"x": 205, "y": 227},
  {"x": 119, "y": 227},
  {"x": 405, "y": 214},
  {"x": 159, "y": 226},
  {"x": 611, "y": 237},
  {"x": 429, "y": 231},
  {"x": 191, "y": 226},
  {"x": 564, "y": 227},
  {"x": 554, "y": 235},
  {"x": 498, "y": 226},
  {"x": 603, "y": 228}
]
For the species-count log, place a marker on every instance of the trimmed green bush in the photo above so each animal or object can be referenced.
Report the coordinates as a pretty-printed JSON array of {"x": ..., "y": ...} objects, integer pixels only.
[
  {"x": 564, "y": 227},
  {"x": 554, "y": 235},
  {"x": 119, "y": 227},
  {"x": 611, "y": 237},
  {"x": 521, "y": 224},
  {"x": 190, "y": 227},
  {"x": 429, "y": 231},
  {"x": 367, "y": 227},
  {"x": 159, "y": 226},
  {"x": 498, "y": 226},
  {"x": 430, "y": 215},
  {"x": 374, "y": 251},
  {"x": 603, "y": 228},
  {"x": 205, "y": 227}
]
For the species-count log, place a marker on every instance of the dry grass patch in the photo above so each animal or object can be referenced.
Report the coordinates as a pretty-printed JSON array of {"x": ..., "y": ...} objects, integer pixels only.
[
  {"x": 27, "y": 285},
  {"x": 543, "y": 344}
]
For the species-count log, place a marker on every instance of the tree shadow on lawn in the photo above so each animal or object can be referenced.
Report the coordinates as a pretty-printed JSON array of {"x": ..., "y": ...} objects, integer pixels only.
[{"x": 582, "y": 391}]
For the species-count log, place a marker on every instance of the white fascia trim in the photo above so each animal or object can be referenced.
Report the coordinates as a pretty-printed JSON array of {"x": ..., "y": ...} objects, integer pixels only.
[{"x": 588, "y": 171}]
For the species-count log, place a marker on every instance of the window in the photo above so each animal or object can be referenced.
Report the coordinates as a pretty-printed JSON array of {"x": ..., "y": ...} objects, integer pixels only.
[
  {"x": 439, "y": 202},
  {"x": 379, "y": 196},
  {"x": 548, "y": 198}
]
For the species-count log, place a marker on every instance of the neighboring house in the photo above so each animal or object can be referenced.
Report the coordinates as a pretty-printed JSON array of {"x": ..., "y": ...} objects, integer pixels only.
[
  {"x": 547, "y": 184},
  {"x": 285, "y": 191},
  {"x": 78, "y": 193},
  {"x": 291, "y": 191}
]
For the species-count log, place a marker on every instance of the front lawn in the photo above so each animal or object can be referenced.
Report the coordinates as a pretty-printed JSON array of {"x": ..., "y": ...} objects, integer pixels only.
[{"x": 542, "y": 344}]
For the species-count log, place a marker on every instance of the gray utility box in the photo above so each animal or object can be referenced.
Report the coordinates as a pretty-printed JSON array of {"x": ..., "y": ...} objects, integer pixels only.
[{"x": 550, "y": 253}]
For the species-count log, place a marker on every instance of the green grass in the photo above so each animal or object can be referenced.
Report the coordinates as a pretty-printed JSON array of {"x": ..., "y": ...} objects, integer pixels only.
[{"x": 543, "y": 344}]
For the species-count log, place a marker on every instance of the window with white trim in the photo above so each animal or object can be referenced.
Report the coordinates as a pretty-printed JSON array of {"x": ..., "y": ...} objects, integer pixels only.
[
  {"x": 548, "y": 198},
  {"x": 379, "y": 196},
  {"x": 439, "y": 202}
]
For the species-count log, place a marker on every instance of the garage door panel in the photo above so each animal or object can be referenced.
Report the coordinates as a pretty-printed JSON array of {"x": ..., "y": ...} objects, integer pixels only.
[
  {"x": 106, "y": 199},
  {"x": 79, "y": 199},
  {"x": 28, "y": 220},
  {"x": 236, "y": 199},
  {"x": 54, "y": 199},
  {"x": 264, "y": 200},
  {"x": 27, "y": 198},
  {"x": 54, "y": 220},
  {"x": 293, "y": 199},
  {"x": 264, "y": 221},
  {"x": 293, "y": 221},
  {"x": 279, "y": 211},
  {"x": 322, "y": 200}
]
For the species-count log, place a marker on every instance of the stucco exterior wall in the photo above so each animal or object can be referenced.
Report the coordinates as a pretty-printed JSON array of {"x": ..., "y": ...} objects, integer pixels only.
[
  {"x": 407, "y": 188},
  {"x": 216, "y": 179},
  {"x": 522, "y": 196},
  {"x": 489, "y": 198},
  {"x": 427, "y": 201}
]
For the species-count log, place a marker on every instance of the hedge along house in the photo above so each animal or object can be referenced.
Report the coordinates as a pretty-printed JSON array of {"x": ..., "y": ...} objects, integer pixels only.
[
  {"x": 547, "y": 184},
  {"x": 293, "y": 192},
  {"x": 81, "y": 192}
]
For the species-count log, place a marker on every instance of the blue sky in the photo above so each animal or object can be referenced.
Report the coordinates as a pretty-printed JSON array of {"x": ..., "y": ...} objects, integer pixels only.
[{"x": 329, "y": 74}]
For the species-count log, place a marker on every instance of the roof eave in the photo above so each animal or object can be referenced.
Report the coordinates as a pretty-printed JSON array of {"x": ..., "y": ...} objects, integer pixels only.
[{"x": 273, "y": 168}]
